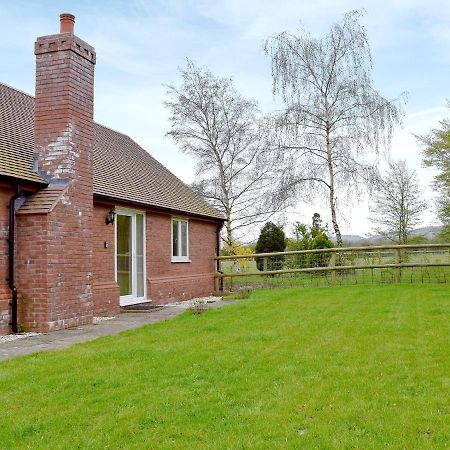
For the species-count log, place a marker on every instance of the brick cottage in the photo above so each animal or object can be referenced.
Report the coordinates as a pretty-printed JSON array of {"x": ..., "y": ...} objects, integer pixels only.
[{"x": 89, "y": 221}]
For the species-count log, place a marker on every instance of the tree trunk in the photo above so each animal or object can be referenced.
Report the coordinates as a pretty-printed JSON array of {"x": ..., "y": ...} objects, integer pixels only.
[
  {"x": 226, "y": 202},
  {"x": 336, "y": 229},
  {"x": 229, "y": 235},
  {"x": 403, "y": 230},
  {"x": 332, "y": 198}
]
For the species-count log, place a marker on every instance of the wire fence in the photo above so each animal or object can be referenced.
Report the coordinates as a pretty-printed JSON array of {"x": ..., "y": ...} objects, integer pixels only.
[{"x": 425, "y": 263}]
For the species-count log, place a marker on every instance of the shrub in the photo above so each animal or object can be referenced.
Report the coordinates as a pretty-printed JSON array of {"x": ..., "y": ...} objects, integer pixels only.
[
  {"x": 321, "y": 240},
  {"x": 312, "y": 237},
  {"x": 198, "y": 306},
  {"x": 271, "y": 239}
]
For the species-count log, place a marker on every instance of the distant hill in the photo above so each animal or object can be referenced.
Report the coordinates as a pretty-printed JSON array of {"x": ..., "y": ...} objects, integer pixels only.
[
  {"x": 429, "y": 232},
  {"x": 352, "y": 238}
]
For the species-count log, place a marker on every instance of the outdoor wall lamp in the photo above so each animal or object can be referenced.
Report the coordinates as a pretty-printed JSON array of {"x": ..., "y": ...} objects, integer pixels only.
[{"x": 111, "y": 217}]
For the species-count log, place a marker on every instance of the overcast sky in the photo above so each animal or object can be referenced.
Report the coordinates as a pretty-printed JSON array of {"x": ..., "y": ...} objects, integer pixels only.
[{"x": 140, "y": 44}]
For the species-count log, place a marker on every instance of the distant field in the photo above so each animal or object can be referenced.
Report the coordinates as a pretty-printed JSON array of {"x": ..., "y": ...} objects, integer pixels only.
[{"x": 344, "y": 367}]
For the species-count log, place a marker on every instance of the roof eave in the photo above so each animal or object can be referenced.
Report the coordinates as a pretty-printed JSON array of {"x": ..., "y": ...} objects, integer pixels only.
[
  {"x": 158, "y": 208},
  {"x": 22, "y": 180}
]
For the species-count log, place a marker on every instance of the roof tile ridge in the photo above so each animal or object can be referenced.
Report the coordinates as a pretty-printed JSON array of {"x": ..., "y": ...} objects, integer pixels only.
[
  {"x": 114, "y": 130},
  {"x": 17, "y": 90}
]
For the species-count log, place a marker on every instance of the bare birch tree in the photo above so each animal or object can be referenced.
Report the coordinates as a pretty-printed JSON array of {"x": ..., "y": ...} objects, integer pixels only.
[
  {"x": 397, "y": 205},
  {"x": 235, "y": 164},
  {"x": 334, "y": 119}
]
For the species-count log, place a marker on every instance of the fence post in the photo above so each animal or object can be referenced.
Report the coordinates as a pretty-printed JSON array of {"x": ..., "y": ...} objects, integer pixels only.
[
  {"x": 398, "y": 260},
  {"x": 216, "y": 284},
  {"x": 265, "y": 263},
  {"x": 333, "y": 264},
  {"x": 218, "y": 281}
]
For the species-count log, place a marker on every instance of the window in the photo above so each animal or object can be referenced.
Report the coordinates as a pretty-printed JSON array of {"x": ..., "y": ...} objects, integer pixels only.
[{"x": 180, "y": 239}]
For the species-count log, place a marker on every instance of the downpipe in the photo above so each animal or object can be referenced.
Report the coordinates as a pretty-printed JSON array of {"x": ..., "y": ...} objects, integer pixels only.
[
  {"x": 11, "y": 282},
  {"x": 218, "y": 268}
]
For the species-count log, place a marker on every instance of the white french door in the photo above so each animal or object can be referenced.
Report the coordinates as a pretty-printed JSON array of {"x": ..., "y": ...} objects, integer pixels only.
[{"x": 130, "y": 256}]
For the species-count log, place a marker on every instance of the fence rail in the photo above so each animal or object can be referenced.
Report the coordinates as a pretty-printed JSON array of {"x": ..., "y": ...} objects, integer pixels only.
[{"x": 424, "y": 263}]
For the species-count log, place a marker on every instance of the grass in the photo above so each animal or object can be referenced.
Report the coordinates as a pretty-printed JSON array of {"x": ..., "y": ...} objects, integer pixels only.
[{"x": 346, "y": 367}]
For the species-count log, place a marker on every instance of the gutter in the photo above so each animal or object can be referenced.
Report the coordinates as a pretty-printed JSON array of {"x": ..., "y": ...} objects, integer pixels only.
[{"x": 11, "y": 284}]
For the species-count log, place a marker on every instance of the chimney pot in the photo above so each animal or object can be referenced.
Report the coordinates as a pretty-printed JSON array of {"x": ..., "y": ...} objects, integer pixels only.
[{"x": 67, "y": 22}]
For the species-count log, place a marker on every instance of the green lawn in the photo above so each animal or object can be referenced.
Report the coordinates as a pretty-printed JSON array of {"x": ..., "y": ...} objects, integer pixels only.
[{"x": 345, "y": 367}]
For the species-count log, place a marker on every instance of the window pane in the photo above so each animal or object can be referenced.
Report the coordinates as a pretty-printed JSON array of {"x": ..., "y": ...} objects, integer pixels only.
[
  {"x": 140, "y": 255},
  {"x": 183, "y": 238},
  {"x": 175, "y": 238},
  {"x": 124, "y": 274}
]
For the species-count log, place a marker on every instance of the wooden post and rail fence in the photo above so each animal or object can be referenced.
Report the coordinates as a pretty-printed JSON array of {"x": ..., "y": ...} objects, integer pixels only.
[{"x": 348, "y": 265}]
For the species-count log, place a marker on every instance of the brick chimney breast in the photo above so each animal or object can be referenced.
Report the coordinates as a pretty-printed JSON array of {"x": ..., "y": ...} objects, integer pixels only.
[{"x": 56, "y": 286}]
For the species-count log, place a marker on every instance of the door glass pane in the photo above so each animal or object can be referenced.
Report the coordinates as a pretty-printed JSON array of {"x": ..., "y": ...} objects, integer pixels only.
[
  {"x": 140, "y": 255},
  {"x": 175, "y": 238},
  {"x": 183, "y": 238},
  {"x": 124, "y": 259}
]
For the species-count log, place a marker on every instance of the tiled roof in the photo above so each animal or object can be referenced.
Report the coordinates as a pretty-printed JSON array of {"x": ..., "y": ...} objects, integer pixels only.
[
  {"x": 122, "y": 169},
  {"x": 43, "y": 201},
  {"x": 16, "y": 134}
]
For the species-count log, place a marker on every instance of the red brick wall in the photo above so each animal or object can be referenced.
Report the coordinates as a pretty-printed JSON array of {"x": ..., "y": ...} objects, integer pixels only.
[
  {"x": 31, "y": 272},
  {"x": 5, "y": 293},
  {"x": 105, "y": 288},
  {"x": 52, "y": 287},
  {"x": 168, "y": 281}
]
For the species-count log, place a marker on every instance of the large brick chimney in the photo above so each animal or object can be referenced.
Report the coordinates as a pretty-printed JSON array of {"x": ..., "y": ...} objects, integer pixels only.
[
  {"x": 63, "y": 133},
  {"x": 54, "y": 266}
]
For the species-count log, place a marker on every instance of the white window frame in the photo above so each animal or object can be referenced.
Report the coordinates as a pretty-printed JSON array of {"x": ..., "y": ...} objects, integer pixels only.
[
  {"x": 177, "y": 259},
  {"x": 132, "y": 299}
]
